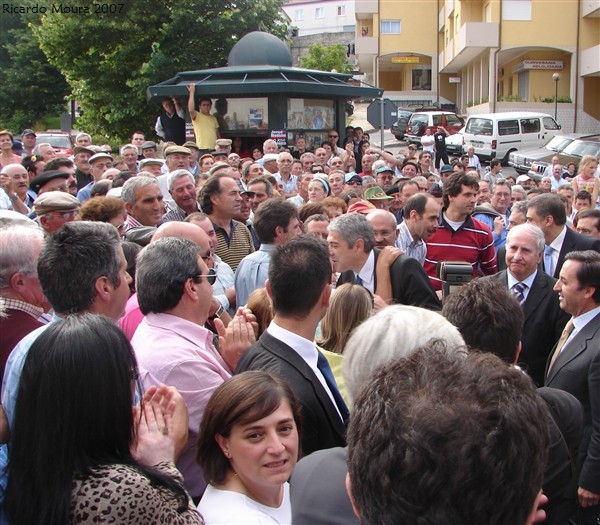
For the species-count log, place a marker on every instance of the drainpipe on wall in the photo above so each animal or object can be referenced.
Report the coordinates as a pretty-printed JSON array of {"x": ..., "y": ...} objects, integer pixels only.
[
  {"x": 494, "y": 99},
  {"x": 577, "y": 69}
]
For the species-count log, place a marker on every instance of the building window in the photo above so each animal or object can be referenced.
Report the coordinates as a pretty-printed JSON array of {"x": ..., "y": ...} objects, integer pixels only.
[
  {"x": 341, "y": 10},
  {"x": 320, "y": 12},
  {"x": 390, "y": 27},
  {"x": 298, "y": 15},
  {"x": 516, "y": 9}
]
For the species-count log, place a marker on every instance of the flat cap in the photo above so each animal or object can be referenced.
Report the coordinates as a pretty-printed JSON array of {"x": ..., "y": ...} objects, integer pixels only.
[
  {"x": 46, "y": 176},
  {"x": 55, "y": 201},
  {"x": 177, "y": 149}
]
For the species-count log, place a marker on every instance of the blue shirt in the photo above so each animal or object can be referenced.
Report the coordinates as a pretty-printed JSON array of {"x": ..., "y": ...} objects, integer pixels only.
[{"x": 252, "y": 273}]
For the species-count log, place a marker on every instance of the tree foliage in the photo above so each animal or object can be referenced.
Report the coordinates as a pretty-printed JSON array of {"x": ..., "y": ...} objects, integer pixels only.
[
  {"x": 327, "y": 58},
  {"x": 30, "y": 87},
  {"x": 109, "y": 60}
]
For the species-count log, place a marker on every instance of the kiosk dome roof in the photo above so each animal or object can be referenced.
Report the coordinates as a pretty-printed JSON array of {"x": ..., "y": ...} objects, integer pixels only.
[{"x": 260, "y": 49}]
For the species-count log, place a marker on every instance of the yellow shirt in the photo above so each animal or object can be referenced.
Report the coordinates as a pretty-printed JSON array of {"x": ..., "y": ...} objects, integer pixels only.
[
  {"x": 335, "y": 362},
  {"x": 205, "y": 129}
]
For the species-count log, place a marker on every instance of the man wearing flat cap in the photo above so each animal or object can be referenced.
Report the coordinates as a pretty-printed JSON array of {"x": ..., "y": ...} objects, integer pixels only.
[
  {"x": 99, "y": 163},
  {"x": 149, "y": 149},
  {"x": 28, "y": 139},
  {"x": 81, "y": 159},
  {"x": 55, "y": 208},
  {"x": 53, "y": 180}
]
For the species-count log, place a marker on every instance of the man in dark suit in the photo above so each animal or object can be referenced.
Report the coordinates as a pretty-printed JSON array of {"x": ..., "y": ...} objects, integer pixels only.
[
  {"x": 548, "y": 212},
  {"x": 299, "y": 286},
  {"x": 352, "y": 249},
  {"x": 533, "y": 288},
  {"x": 574, "y": 366}
]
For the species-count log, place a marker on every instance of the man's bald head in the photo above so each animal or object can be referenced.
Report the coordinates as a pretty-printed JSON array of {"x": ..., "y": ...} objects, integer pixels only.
[{"x": 183, "y": 230}]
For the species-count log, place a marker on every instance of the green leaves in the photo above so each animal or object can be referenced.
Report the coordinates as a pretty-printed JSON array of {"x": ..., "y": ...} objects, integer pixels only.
[{"x": 326, "y": 58}]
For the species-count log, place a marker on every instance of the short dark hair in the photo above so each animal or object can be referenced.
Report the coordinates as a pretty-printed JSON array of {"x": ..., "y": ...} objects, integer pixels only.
[
  {"x": 271, "y": 214},
  {"x": 453, "y": 185},
  {"x": 495, "y": 162},
  {"x": 211, "y": 187},
  {"x": 593, "y": 213},
  {"x": 244, "y": 398},
  {"x": 487, "y": 316},
  {"x": 588, "y": 271},
  {"x": 311, "y": 208},
  {"x": 56, "y": 163},
  {"x": 265, "y": 181},
  {"x": 584, "y": 195},
  {"x": 549, "y": 204},
  {"x": 71, "y": 261},
  {"x": 204, "y": 98},
  {"x": 299, "y": 271},
  {"x": 317, "y": 217},
  {"x": 163, "y": 267},
  {"x": 455, "y": 435},
  {"x": 417, "y": 203}
]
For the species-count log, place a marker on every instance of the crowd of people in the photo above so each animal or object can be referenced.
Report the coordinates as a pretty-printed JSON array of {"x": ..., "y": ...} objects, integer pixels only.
[{"x": 215, "y": 332}]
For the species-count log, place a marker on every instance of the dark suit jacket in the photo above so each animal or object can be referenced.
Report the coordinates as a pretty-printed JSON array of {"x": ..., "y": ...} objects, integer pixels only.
[
  {"x": 577, "y": 370},
  {"x": 544, "y": 322},
  {"x": 410, "y": 284},
  {"x": 322, "y": 426},
  {"x": 565, "y": 426},
  {"x": 574, "y": 242}
]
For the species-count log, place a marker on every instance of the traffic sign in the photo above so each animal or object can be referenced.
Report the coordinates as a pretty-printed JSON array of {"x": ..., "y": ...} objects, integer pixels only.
[{"x": 390, "y": 113}]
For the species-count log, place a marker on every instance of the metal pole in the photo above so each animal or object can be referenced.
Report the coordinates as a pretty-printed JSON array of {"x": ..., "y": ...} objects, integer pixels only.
[
  {"x": 382, "y": 144},
  {"x": 556, "y": 78}
]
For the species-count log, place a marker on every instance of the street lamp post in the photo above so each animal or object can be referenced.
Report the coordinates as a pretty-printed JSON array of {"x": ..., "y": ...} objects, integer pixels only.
[{"x": 556, "y": 78}]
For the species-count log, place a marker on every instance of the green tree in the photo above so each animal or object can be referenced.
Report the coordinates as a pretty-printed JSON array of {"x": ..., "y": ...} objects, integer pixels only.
[
  {"x": 30, "y": 87},
  {"x": 327, "y": 58},
  {"x": 109, "y": 60}
]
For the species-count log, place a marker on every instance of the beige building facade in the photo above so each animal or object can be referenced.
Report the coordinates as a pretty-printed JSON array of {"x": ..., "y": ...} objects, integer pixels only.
[{"x": 486, "y": 55}]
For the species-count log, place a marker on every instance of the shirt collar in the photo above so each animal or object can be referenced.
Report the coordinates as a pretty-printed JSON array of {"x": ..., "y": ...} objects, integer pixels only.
[
  {"x": 367, "y": 272},
  {"x": 582, "y": 320},
  {"x": 528, "y": 281},
  {"x": 306, "y": 349},
  {"x": 557, "y": 243}
]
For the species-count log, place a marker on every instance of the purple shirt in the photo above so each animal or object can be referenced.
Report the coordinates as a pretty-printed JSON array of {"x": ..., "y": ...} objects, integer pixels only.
[{"x": 179, "y": 353}]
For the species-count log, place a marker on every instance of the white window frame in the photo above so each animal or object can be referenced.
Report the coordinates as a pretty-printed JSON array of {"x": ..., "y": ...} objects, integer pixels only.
[
  {"x": 341, "y": 10},
  {"x": 298, "y": 15},
  {"x": 319, "y": 11},
  {"x": 387, "y": 27}
]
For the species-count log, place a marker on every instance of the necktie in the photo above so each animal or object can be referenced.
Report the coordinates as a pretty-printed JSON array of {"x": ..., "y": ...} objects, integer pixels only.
[
  {"x": 561, "y": 342},
  {"x": 325, "y": 369},
  {"x": 548, "y": 261},
  {"x": 358, "y": 281},
  {"x": 518, "y": 291}
]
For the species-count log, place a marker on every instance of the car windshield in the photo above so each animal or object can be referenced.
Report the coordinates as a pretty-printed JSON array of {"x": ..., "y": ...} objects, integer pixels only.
[
  {"x": 558, "y": 143},
  {"x": 579, "y": 148},
  {"x": 479, "y": 126},
  {"x": 56, "y": 141}
]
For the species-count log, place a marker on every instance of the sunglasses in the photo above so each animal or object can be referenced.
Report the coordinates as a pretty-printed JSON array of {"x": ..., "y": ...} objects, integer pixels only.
[
  {"x": 333, "y": 136},
  {"x": 354, "y": 183},
  {"x": 211, "y": 276}
]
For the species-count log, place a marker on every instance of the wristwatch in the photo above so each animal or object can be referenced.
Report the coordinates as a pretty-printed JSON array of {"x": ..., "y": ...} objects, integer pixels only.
[{"x": 220, "y": 311}]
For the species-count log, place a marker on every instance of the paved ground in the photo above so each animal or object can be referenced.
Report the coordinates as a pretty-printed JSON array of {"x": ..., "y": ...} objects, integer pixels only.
[{"x": 391, "y": 144}]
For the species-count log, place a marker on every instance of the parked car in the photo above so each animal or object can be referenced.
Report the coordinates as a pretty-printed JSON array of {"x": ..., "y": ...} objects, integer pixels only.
[
  {"x": 522, "y": 160},
  {"x": 421, "y": 120},
  {"x": 398, "y": 128},
  {"x": 454, "y": 143},
  {"x": 572, "y": 153},
  {"x": 499, "y": 134},
  {"x": 61, "y": 142}
]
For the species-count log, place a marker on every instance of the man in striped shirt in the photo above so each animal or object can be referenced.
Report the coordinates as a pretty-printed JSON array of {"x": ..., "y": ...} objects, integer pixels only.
[{"x": 459, "y": 237}]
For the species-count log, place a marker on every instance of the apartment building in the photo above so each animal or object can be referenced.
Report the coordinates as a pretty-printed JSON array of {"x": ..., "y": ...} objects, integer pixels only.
[{"x": 486, "y": 55}]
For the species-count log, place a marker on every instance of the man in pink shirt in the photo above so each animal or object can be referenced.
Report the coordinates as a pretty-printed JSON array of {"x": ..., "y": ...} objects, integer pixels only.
[{"x": 172, "y": 346}]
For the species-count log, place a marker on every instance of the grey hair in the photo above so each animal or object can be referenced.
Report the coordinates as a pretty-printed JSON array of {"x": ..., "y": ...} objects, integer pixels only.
[
  {"x": 162, "y": 268},
  {"x": 354, "y": 226},
  {"x": 500, "y": 182},
  {"x": 307, "y": 155},
  {"x": 520, "y": 206},
  {"x": 531, "y": 229},
  {"x": 520, "y": 190},
  {"x": 132, "y": 184},
  {"x": 126, "y": 146},
  {"x": 393, "y": 333},
  {"x": 38, "y": 147},
  {"x": 79, "y": 135},
  {"x": 18, "y": 252},
  {"x": 265, "y": 181},
  {"x": 176, "y": 175}
]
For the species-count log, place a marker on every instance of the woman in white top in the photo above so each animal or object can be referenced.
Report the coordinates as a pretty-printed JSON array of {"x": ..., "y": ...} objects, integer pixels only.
[{"x": 247, "y": 448}]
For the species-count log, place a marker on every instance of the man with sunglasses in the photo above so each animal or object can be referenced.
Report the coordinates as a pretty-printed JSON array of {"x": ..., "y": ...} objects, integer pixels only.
[
  {"x": 172, "y": 345},
  {"x": 334, "y": 137}
]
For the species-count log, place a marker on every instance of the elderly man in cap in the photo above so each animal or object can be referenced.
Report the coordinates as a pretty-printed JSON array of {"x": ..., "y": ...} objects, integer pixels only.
[
  {"x": 384, "y": 175},
  {"x": 81, "y": 158},
  {"x": 177, "y": 158},
  {"x": 53, "y": 180},
  {"x": 353, "y": 182},
  {"x": 55, "y": 208},
  {"x": 64, "y": 164},
  {"x": 378, "y": 198},
  {"x": 194, "y": 168},
  {"x": 182, "y": 189},
  {"x": 152, "y": 166},
  {"x": 149, "y": 149},
  {"x": 28, "y": 139},
  {"x": 99, "y": 163},
  {"x": 223, "y": 145}
]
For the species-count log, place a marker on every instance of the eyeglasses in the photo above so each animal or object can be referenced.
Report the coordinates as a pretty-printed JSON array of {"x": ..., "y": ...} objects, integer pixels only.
[
  {"x": 333, "y": 136},
  {"x": 64, "y": 215},
  {"x": 211, "y": 276}
]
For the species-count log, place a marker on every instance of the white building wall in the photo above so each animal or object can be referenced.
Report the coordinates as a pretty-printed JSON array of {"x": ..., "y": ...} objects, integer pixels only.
[{"x": 321, "y": 16}]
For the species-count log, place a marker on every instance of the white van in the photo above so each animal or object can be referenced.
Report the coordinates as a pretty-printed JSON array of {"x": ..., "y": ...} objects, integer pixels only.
[{"x": 498, "y": 134}]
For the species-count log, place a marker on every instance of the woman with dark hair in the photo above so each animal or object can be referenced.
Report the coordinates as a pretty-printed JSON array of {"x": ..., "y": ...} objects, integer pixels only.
[
  {"x": 248, "y": 447},
  {"x": 257, "y": 152},
  {"x": 110, "y": 210},
  {"x": 80, "y": 452}
]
